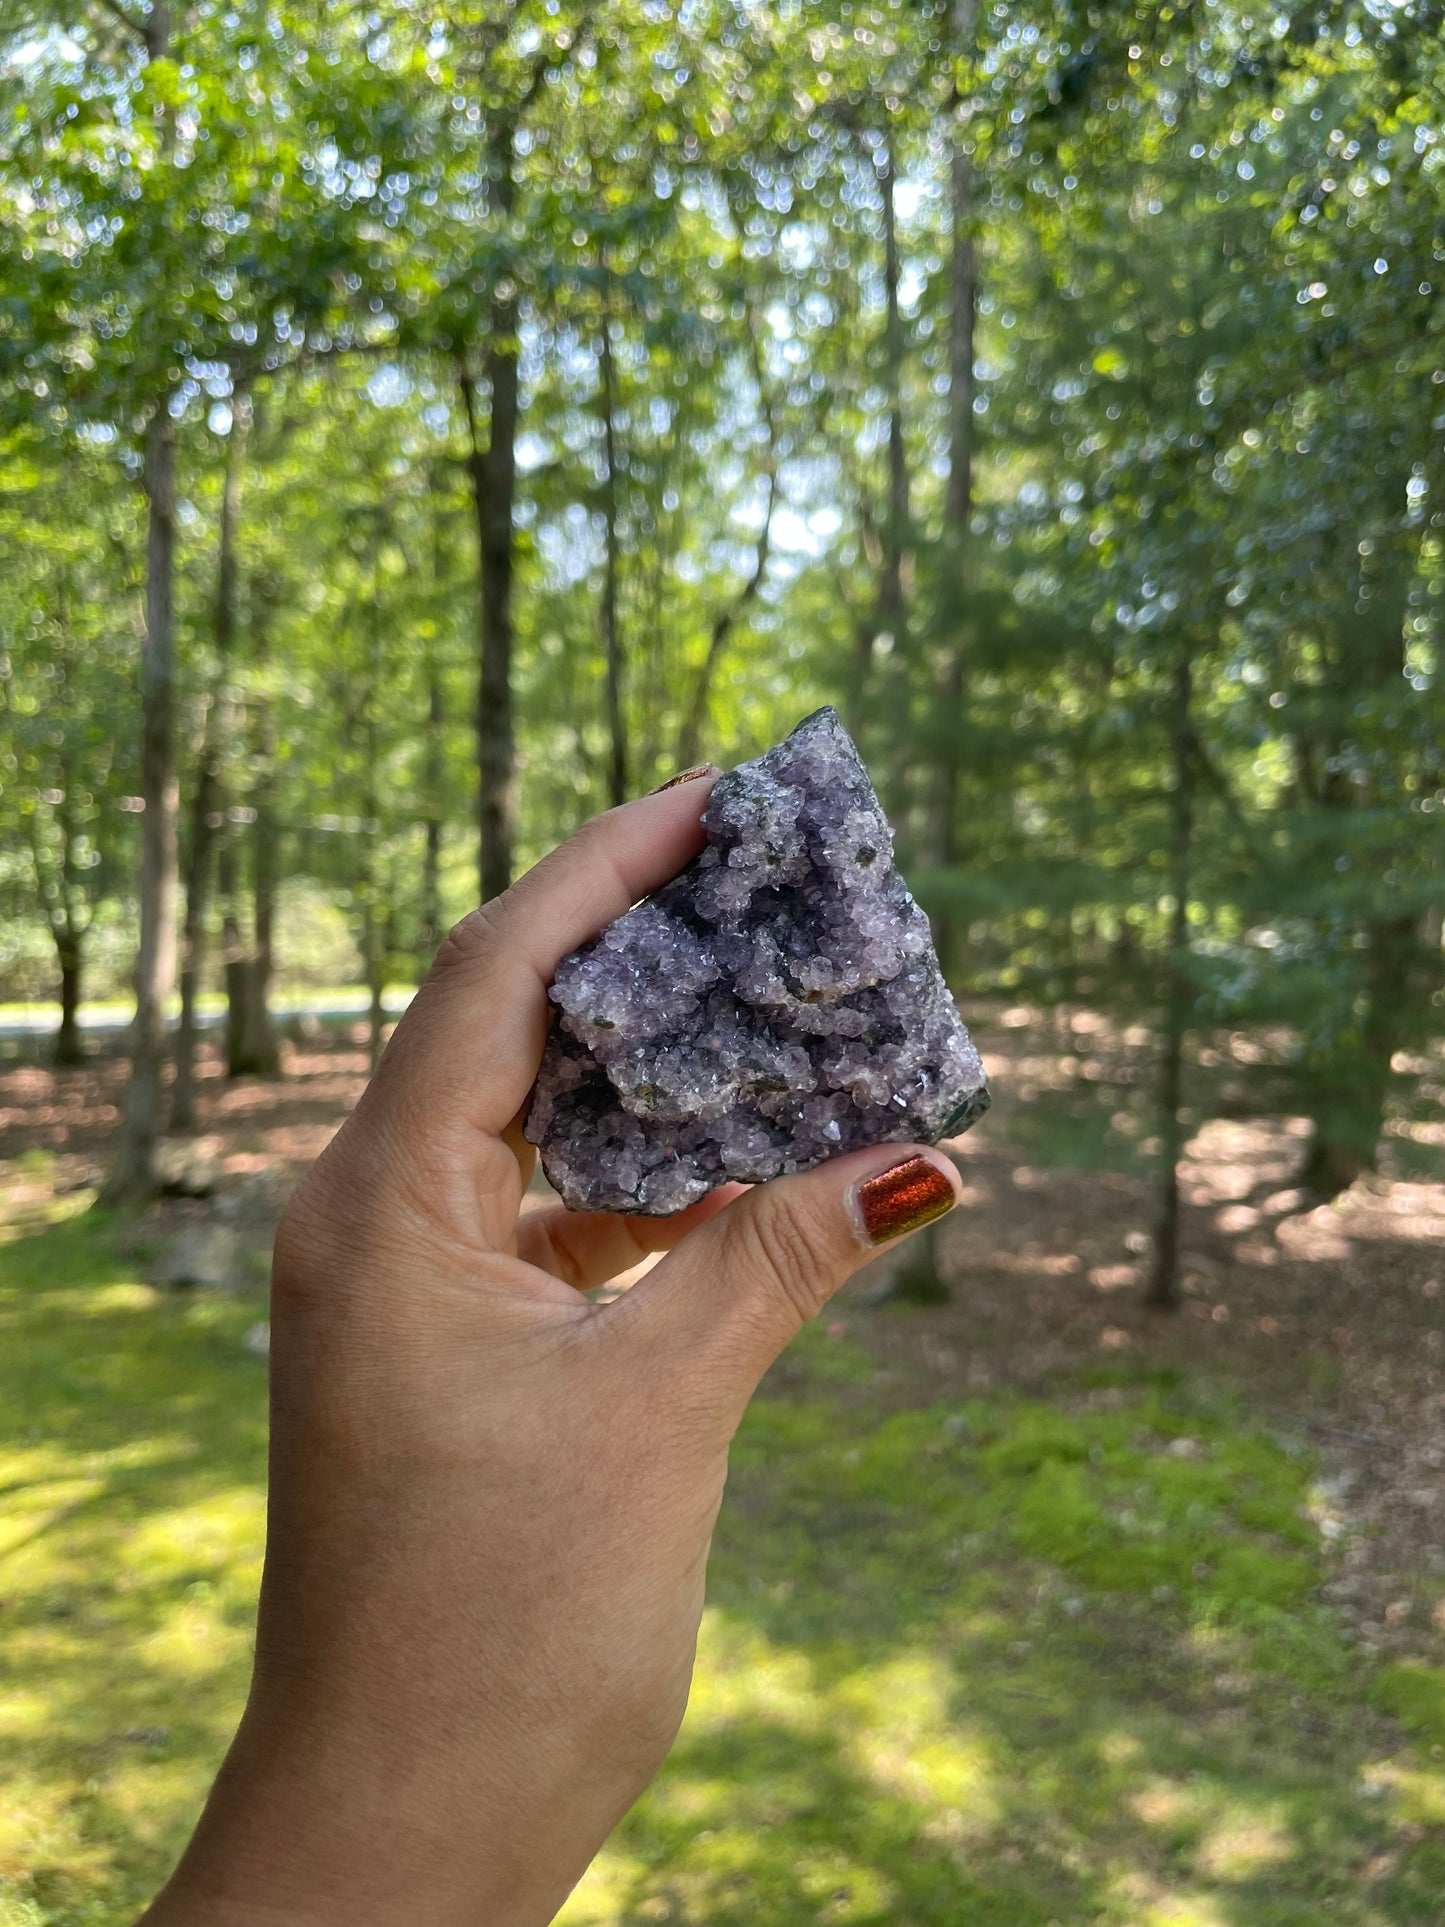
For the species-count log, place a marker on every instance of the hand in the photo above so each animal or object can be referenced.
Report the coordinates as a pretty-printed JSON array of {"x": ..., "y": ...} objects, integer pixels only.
[{"x": 491, "y": 1499}]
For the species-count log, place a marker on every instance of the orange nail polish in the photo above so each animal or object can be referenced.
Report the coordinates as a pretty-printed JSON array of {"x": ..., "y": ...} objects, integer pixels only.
[
  {"x": 901, "y": 1199},
  {"x": 687, "y": 776}
]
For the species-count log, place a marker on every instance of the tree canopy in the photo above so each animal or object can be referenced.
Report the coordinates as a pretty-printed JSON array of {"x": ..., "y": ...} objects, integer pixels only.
[{"x": 418, "y": 432}]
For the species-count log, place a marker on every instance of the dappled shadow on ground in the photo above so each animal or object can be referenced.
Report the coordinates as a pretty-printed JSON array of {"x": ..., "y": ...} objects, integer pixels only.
[
  {"x": 1335, "y": 1314},
  {"x": 1006, "y": 1662},
  {"x": 130, "y": 1531},
  {"x": 1331, "y": 1318},
  {"x": 1030, "y": 1607},
  {"x": 988, "y": 1659},
  {"x": 278, "y": 1126}
]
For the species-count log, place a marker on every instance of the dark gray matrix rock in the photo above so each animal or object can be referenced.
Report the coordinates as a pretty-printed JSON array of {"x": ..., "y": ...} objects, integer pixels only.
[{"x": 777, "y": 1003}]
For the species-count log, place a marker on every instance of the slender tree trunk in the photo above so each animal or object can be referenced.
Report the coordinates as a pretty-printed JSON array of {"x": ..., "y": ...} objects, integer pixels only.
[
  {"x": 940, "y": 835},
  {"x": 611, "y": 634},
  {"x": 209, "y": 792},
  {"x": 68, "y": 1049},
  {"x": 695, "y": 720},
  {"x": 68, "y": 923},
  {"x": 252, "y": 1050},
  {"x": 258, "y": 1052},
  {"x": 1350, "y": 1114},
  {"x": 374, "y": 948},
  {"x": 497, "y": 731},
  {"x": 493, "y": 473},
  {"x": 63, "y": 895},
  {"x": 920, "y": 1277},
  {"x": 373, "y": 927},
  {"x": 233, "y": 953},
  {"x": 1349, "y": 1075},
  {"x": 1164, "y": 1275},
  {"x": 893, "y": 586},
  {"x": 205, "y": 812},
  {"x": 429, "y": 930},
  {"x": 963, "y": 316},
  {"x": 430, "y": 934},
  {"x": 132, "y": 1178}
]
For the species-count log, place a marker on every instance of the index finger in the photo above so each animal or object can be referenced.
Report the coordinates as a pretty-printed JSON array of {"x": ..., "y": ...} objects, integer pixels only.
[{"x": 467, "y": 1049}]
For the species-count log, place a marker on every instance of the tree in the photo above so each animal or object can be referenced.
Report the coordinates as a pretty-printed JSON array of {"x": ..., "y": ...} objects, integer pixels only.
[
  {"x": 67, "y": 610},
  {"x": 209, "y": 792}
]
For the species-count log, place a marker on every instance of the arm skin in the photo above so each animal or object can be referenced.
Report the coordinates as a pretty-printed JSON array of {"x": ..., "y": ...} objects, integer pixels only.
[{"x": 491, "y": 1500}]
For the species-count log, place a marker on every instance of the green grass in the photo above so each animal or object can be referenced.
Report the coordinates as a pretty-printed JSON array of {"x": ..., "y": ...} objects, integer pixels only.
[{"x": 1003, "y": 1663}]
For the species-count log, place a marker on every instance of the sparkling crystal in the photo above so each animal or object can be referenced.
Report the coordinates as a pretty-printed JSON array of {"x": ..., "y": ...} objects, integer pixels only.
[{"x": 778, "y": 1002}]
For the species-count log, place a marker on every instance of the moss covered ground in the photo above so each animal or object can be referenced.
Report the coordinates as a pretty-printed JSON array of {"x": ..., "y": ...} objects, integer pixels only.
[{"x": 997, "y": 1662}]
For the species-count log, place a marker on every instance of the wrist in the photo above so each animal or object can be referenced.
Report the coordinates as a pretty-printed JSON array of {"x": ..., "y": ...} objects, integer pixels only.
[{"x": 303, "y": 1835}]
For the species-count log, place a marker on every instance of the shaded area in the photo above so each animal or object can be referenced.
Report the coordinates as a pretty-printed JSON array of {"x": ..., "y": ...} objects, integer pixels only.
[{"x": 1009, "y": 1655}]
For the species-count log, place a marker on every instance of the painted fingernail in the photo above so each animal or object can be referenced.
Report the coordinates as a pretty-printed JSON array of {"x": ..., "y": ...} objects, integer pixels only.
[
  {"x": 687, "y": 776},
  {"x": 903, "y": 1198}
]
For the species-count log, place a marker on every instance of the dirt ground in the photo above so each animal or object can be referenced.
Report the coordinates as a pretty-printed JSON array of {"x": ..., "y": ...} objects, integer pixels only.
[{"x": 1329, "y": 1322}]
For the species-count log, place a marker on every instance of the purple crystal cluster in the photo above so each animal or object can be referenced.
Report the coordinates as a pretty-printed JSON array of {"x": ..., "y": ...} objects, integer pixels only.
[{"x": 778, "y": 1002}]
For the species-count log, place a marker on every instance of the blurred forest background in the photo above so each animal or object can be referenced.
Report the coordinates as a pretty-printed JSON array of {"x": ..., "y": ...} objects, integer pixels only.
[
  {"x": 421, "y": 431},
  {"x": 420, "y": 428}
]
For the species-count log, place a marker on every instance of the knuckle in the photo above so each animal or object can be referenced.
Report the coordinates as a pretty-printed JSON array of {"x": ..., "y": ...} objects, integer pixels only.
[
  {"x": 470, "y": 939},
  {"x": 786, "y": 1249},
  {"x": 334, "y": 1212},
  {"x": 592, "y": 842},
  {"x": 302, "y": 1247}
]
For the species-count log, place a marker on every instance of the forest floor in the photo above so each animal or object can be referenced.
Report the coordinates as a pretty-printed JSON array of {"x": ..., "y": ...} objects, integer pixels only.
[{"x": 1028, "y": 1607}]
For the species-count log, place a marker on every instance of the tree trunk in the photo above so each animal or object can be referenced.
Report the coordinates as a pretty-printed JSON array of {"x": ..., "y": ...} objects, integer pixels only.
[
  {"x": 205, "y": 812},
  {"x": 132, "y": 1178},
  {"x": 611, "y": 634},
  {"x": 940, "y": 833},
  {"x": 233, "y": 955},
  {"x": 893, "y": 585},
  {"x": 257, "y": 1055},
  {"x": 209, "y": 793},
  {"x": 68, "y": 1048},
  {"x": 374, "y": 961},
  {"x": 373, "y": 946},
  {"x": 68, "y": 924},
  {"x": 1350, "y": 1114},
  {"x": 1349, "y": 1077},
  {"x": 963, "y": 318},
  {"x": 493, "y": 472},
  {"x": 1164, "y": 1275},
  {"x": 429, "y": 935},
  {"x": 690, "y": 736},
  {"x": 252, "y": 1049}
]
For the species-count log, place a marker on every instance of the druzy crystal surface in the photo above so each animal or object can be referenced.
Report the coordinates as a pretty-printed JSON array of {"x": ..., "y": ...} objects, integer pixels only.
[{"x": 778, "y": 1002}]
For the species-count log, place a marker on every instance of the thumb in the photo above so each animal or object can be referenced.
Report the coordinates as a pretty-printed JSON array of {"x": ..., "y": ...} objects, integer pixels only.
[{"x": 739, "y": 1287}]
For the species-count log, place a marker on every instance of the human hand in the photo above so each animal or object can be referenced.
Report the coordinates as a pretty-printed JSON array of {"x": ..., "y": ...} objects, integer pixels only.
[{"x": 492, "y": 1499}]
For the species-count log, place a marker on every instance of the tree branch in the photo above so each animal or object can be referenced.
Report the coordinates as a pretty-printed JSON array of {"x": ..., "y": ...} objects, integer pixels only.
[{"x": 118, "y": 12}]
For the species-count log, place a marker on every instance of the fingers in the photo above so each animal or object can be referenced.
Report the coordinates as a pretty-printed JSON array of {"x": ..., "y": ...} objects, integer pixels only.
[
  {"x": 739, "y": 1287},
  {"x": 586, "y": 1248},
  {"x": 464, "y": 1055}
]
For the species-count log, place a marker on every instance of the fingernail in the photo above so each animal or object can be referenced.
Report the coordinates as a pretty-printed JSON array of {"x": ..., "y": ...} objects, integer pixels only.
[
  {"x": 687, "y": 776},
  {"x": 903, "y": 1198}
]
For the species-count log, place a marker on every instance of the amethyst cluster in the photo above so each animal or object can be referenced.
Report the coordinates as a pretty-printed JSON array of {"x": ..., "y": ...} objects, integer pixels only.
[{"x": 778, "y": 1002}]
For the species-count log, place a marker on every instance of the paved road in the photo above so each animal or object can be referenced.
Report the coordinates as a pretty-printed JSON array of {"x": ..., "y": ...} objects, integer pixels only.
[{"x": 105, "y": 1023}]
